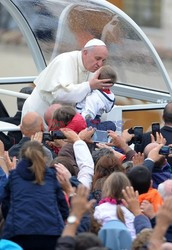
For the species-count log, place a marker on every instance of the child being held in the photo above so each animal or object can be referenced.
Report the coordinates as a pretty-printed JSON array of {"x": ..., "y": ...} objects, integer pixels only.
[{"x": 99, "y": 101}]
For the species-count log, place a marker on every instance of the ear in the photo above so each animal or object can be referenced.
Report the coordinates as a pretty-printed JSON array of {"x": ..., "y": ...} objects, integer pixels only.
[{"x": 85, "y": 52}]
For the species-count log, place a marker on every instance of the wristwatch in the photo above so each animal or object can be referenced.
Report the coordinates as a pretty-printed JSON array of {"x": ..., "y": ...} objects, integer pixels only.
[{"x": 72, "y": 219}]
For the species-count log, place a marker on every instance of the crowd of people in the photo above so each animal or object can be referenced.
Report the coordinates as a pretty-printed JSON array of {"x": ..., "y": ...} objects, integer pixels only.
[{"x": 60, "y": 190}]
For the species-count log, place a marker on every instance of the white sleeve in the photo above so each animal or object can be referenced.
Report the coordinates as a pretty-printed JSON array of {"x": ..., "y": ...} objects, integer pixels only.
[
  {"x": 85, "y": 163},
  {"x": 62, "y": 81},
  {"x": 73, "y": 93},
  {"x": 93, "y": 104}
]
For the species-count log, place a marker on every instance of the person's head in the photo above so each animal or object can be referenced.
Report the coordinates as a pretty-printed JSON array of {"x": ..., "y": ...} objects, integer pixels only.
[
  {"x": 86, "y": 240},
  {"x": 67, "y": 162},
  {"x": 140, "y": 178},
  {"x": 97, "y": 154},
  {"x": 114, "y": 185},
  {"x": 35, "y": 154},
  {"x": 167, "y": 114},
  {"x": 142, "y": 239},
  {"x": 31, "y": 123},
  {"x": 112, "y": 188},
  {"x": 165, "y": 189},
  {"x": 149, "y": 147},
  {"x": 20, "y": 101},
  {"x": 48, "y": 115},
  {"x": 107, "y": 72},
  {"x": 94, "y": 54},
  {"x": 106, "y": 165},
  {"x": 63, "y": 116}
]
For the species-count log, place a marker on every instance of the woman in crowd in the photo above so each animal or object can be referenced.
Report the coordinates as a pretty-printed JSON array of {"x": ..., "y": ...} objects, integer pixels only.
[{"x": 34, "y": 205}]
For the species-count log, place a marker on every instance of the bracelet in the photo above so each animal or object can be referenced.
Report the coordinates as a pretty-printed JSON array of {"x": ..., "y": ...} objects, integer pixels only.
[{"x": 1, "y": 157}]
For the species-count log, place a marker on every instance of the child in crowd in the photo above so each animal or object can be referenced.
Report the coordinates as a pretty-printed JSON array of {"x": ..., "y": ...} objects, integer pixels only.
[
  {"x": 67, "y": 117},
  {"x": 105, "y": 166},
  {"x": 99, "y": 100},
  {"x": 140, "y": 178},
  {"x": 111, "y": 206}
]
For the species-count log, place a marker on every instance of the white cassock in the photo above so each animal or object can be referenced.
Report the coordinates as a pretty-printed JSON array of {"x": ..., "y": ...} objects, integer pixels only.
[{"x": 64, "y": 80}]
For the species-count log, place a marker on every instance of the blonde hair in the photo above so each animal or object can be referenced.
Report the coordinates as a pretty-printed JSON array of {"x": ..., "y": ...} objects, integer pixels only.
[
  {"x": 34, "y": 152},
  {"x": 113, "y": 187}
]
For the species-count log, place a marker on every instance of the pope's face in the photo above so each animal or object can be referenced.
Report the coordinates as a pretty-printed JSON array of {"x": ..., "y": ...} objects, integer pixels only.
[{"x": 94, "y": 58}]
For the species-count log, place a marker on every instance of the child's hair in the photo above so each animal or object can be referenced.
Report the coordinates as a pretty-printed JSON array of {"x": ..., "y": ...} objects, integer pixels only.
[
  {"x": 34, "y": 152},
  {"x": 113, "y": 187},
  {"x": 140, "y": 178},
  {"x": 108, "y": 72},
  {"x": 142, "y": 239},
  {"x": 64, "y": 115},
  {"x": 106, "y": 165}
]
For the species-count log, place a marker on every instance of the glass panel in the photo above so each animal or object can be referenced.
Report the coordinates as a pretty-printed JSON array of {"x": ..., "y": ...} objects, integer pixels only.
[
  {"x": 62, "y": 26},
  {"x": 16, "y": 58},
  {"x": 144, "y": 13}
]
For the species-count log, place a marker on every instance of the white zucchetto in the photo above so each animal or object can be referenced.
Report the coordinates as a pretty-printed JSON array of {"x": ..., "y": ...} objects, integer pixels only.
[{"x": 94, "y": 42}]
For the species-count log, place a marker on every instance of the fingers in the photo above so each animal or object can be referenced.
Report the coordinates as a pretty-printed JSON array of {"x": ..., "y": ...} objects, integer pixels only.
[{"x": 127, "y": 193}]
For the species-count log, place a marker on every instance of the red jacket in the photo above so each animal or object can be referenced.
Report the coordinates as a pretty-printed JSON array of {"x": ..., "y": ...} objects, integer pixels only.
[{"x": 77, "y": 124}]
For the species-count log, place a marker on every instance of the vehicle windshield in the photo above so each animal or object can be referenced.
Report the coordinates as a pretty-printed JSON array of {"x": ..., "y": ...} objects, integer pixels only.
[{"x": 61, "y": 26}]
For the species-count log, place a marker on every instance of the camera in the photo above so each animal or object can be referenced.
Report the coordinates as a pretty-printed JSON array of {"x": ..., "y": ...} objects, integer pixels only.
[
  {"x": 155, "y": 128},
  {"x": 165, "y": 150},
  {"x": 53, "y": 135},
  {"x": 100, "y": 136},
  {"x": 138, "y": 134}
]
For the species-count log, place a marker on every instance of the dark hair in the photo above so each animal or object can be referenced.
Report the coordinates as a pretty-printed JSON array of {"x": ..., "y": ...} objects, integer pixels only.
[
  {"x": 67, "y": 162},
  {"x": 167, "y": 113},
  {"x": 108, "y": 72},
  {"x": 140, "y": 178},
  {"x": 20, "y": 101},
  {"x": 86, "y": 240},
  {"x": 64, "y": 115}
]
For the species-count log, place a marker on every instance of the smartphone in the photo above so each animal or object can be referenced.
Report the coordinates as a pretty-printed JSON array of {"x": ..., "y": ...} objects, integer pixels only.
[
  {"x": 155, "y": 128},
  {"x": 165, "y": 150},
  {"x": 138, "y": 134},
  {"x": 100, "y": 136}
]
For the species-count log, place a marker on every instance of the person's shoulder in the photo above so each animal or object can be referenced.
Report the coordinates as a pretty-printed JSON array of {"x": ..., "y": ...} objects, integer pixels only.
[{"x": 67, "y": 54}]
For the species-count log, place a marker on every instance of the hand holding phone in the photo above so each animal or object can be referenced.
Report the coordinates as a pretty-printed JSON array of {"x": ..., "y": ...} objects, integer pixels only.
[
  {"x": 155, "y": 128},
  {"x": 100, "y": 136},
  {"x": 165, "y": 150},
  {"x": 138, "y": 135}
]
